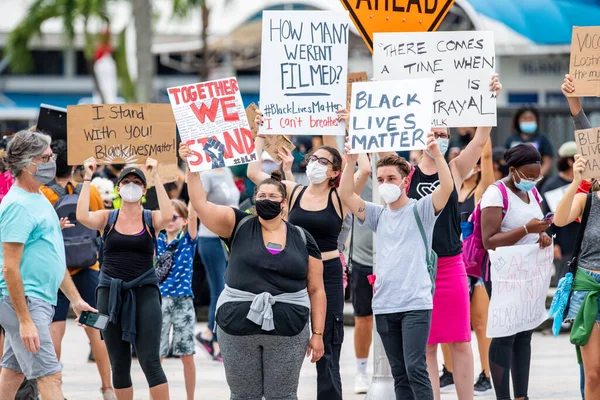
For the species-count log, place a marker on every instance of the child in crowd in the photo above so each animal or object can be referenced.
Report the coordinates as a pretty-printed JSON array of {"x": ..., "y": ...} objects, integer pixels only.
[{"x": 175, "y": 262}]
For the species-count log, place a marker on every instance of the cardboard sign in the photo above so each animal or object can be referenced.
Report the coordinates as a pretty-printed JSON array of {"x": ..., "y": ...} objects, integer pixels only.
[
  {"x": 272, "y": 143},
  {"x": 352, "y": 78},
  {"x": 585, "y": 61},
  {"x": 303, "y": 71},
  {"x": 121, "y": 133},
  {"x": 588, "y": 145},
  {"x": 390, "y": 116},
  {"x": 211, "y": 120},
  {"x": 372, "y": 16},
  {"x": 167, "y": 172},
  {"x": 520, "y": 282},
  {"x": 462, "y": 63}
]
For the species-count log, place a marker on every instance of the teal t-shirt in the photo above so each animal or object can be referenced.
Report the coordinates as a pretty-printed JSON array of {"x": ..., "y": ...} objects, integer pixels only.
[{"x": 30, "y": 219}]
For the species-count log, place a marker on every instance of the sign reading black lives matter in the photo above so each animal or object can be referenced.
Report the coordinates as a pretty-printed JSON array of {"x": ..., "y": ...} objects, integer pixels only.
[
  {"x": 390, "y": 116},
  {"x": 462, "y": 63},
  {"x": 303, "y": 72}
]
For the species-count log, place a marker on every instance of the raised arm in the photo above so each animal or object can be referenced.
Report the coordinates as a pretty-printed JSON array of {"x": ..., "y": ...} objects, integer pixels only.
[
  {"x": 487, "y": 171},
  {"x": 192, "y": 226},
  {"x": 218, "y": 219},
  {"x": 463, "y": 164},
  {"x": 346, "y": 189},
  {"x": 442, "y": 193},
  {"x": 255, "y": 172},
  {"x": 163, "y": 215},
  {"x": 363, "y": 174},
  {"x": 572, "y": 204},
  {"x": 95, "y": 220}
]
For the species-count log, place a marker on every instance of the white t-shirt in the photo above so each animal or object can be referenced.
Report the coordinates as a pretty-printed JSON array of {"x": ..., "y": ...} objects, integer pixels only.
[{"x": 518, "y": 214}]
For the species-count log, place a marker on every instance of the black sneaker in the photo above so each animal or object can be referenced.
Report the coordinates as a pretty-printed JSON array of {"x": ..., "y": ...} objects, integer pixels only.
[
  {"x": 483, "y": 385},
  {"x": 446, "y": 381}
]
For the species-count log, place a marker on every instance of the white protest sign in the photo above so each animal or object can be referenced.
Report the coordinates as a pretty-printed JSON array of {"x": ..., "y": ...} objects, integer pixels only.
[
  {"x": 212, "y": 120},
  {"x": 520, "y": 282},
  {"x": 303, "y": 72},
  {"x": 462, "y": 63},
  {"x": 553, "y": 197},
  {"x": 390, "y": 116}
]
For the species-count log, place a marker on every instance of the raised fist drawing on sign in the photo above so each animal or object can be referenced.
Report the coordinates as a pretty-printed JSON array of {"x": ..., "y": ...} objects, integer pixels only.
[{"x": 215, "y": 150}]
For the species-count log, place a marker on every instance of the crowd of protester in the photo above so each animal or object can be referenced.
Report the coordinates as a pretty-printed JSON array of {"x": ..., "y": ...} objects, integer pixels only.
[{"x": 270, "y": 249}]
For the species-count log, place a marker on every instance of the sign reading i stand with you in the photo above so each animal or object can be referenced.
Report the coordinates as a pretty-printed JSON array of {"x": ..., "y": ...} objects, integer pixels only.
[
  {"x": 520, "y": 282},
  {"x": 462, "y": 64},
  {"x": 390, "y": 116},
  {"x": 212, "y": 121},
  {"x": 303, "y": 72},
  {"x": 121, "y": 133}
]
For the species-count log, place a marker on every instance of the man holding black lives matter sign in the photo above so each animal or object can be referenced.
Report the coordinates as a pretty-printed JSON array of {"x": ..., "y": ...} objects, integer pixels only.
[
  {"x": 462, "y": 64},
  {"x": 212, "y": 122},
  {"x": 390, "y": 116},
  {"x": 303, "y": 72}
]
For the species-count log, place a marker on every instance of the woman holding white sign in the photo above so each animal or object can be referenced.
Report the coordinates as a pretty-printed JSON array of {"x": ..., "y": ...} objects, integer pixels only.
[
  {"x": 450, "y": 321},
  {"x": 513, "y": 216},
  {"x": 319, "y": 209}
]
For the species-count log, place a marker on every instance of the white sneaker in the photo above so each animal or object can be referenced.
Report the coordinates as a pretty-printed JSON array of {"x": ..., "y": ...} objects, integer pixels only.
[{"x": 361, "y": 383}]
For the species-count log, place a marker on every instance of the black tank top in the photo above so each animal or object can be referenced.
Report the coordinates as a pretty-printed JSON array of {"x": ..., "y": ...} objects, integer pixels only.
[
  {"x": 446, "y": 234},
  {"x": 127, "y": 257},
  {"x": 467, "y": 206},
  {"x": 324, "y": 225}
]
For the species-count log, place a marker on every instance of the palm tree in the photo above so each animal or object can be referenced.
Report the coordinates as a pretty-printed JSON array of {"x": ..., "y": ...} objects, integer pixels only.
[
  {"x": 142, "y": 14},
  {"x": 182, "y": 8},
  {"x": 69, "y": 12}
]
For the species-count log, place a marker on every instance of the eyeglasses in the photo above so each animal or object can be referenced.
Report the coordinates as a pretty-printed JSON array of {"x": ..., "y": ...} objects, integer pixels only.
[
  {"x": 175, "y": 217},
  {"x": 441, "y": 135},
  {"x": 269, "y": 196},
  {"x": 321, "y": 160},
  {"x": 523, "y": 176},
  {"x": 47, "y": 157}
]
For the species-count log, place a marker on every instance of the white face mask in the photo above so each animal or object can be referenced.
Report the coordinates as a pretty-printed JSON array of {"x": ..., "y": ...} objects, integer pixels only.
[
  {"x": 131, "y": 193},
  {"x": 389, "y": 192},
  {"x": 316, "y": 172}
]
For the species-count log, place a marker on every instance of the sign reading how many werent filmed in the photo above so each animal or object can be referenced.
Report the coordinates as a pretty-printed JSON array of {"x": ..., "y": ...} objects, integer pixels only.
[
  {"x": 462, "y": 63},
  {"x": 303, "y": 71}
]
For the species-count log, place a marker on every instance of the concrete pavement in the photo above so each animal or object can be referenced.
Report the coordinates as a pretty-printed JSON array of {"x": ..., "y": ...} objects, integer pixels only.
[{"x": 554, "y": 372}]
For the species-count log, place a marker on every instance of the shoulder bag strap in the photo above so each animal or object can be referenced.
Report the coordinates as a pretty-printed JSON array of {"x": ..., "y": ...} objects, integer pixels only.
[
  {"x": 504, "y": 191},
  {"x": 582, "y": 225},
  {"x": 147, "y": 216},
  {"x": 351, "y": 250},
  {"x": 334, "y": 190},
  {"x": 302, "y": 234},
  {"x": 112, "y": 220},
  {"x": 422, "y": 231},
  {"x": 242, "y": 222},
  {"x": 292, "y": 202}
]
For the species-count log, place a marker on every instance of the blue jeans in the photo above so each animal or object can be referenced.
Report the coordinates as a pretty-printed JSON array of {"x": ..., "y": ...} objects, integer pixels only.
[{"x": 213, "y": 256}]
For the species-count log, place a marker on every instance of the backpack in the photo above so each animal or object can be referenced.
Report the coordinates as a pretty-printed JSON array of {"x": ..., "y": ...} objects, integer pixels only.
[
  {"x": 431, "y": 256},
  {"x": 81, "y": 249},
  {"x": 164, "y": 263},
  {"x": 475, "y": 255}
]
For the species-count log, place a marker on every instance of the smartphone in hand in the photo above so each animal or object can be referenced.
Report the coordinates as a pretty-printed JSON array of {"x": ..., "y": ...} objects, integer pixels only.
[
  {"x": 94, "y": 320},
  {"x": 549, "y": 217}
]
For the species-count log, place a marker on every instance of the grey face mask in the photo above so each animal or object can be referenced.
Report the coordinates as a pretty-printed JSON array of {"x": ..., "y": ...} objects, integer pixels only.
[{"x": 45, "y": 172}]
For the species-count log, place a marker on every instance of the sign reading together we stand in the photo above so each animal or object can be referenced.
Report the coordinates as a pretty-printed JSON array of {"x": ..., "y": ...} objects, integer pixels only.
[{"x": 212, "y": 121}]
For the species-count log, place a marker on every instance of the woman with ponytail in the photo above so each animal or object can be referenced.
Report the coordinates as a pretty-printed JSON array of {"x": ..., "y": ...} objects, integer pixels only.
[{"x": 273, "y": 283}]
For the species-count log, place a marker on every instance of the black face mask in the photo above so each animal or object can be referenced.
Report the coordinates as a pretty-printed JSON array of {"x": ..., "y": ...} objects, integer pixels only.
[{"x": 268, "y": 209}]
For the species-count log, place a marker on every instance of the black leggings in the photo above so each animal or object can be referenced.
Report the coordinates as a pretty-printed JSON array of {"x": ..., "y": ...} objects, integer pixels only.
[
  {"x": 511, "y": 356},
  {"x": 148, "y": 326}
]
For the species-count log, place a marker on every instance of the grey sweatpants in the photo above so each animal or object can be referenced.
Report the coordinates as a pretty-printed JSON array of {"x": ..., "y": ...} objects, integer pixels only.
[{"x": 268, "y": 366}]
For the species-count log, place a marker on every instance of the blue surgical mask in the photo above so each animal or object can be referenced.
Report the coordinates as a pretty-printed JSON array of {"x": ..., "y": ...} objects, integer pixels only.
[
  {"x": 443, "y": 143},
  {"x": 528, "y": 127},
  {"x": 524, "y": 185}
]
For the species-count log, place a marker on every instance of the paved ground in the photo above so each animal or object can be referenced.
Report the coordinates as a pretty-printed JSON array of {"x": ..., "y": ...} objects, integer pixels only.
[{"x": 554, "y": 375}]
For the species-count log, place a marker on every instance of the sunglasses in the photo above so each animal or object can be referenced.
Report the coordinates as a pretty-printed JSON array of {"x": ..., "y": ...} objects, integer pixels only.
[
  {"x": 321, "y": 160},
  {"x": 175, "y": 217}
]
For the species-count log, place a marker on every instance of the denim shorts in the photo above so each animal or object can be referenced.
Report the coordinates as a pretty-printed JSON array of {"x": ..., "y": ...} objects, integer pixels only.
[
  {"x": 578, "y": 297},
  {"x": 16, "y": 357}
]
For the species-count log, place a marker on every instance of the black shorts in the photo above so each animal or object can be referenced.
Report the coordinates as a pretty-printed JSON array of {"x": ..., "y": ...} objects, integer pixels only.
[
  {"x": 86, "y": 282},
  {"x": 362, "y": 291}
]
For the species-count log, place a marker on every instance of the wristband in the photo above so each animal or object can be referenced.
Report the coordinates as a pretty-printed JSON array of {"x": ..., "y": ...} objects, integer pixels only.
[
  {"x": 526, "y": 231},
  {"x": 317, "y": 333},
  {"x": 87, "y": 180}
]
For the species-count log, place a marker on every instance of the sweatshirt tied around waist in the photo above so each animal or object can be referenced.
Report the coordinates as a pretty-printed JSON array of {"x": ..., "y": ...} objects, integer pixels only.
[
  {"x": 586, "y": 316},
  {"x": 261, "y": 309},
  {"x": 121, "y": 300}
]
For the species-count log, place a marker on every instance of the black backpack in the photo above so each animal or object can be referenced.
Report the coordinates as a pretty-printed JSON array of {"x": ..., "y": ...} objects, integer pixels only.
[
  {"x": 164, "y": 263},
  {"x": 81, "y": 247}
]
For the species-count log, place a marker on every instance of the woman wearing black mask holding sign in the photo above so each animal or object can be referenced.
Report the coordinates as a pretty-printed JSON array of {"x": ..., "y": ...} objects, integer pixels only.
[{"x": 273, "y": 281}]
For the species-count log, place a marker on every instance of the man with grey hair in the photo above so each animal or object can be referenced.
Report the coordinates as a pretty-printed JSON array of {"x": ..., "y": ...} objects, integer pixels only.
[{"x": 33, "y": 268}]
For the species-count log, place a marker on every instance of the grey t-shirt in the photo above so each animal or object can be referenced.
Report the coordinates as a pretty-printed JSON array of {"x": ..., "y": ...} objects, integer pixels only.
[
  {"x": 402, "y": 283},
  {"x": 221, "y": 190},
  {"x": 363, "y": 236}
]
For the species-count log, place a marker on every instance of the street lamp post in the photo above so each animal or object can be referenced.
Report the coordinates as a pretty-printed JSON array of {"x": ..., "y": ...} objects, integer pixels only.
[{"x": 382, "y": 385}]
